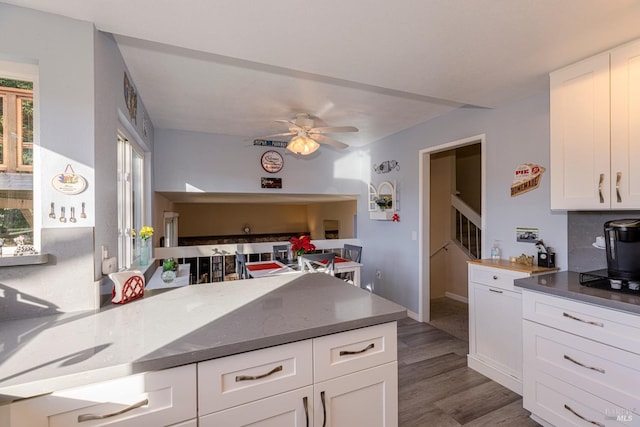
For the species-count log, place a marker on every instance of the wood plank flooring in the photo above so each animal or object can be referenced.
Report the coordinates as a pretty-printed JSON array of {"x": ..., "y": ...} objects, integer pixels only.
[{"x": 436, "y": 388}]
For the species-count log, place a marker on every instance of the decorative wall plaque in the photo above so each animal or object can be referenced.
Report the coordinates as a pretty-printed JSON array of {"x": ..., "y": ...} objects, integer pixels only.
[{"x": 69, "y": 182}]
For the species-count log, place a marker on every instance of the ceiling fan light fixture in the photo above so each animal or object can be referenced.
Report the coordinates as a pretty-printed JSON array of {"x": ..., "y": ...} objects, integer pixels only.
[{"x": 302, "y": 145}]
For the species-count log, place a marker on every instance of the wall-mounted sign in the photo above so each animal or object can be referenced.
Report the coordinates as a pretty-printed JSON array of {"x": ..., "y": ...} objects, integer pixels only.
[
  {"x": 271, "y": 182},
  {"x": 272, "y": 161},
  {"x": 131, "y": 99},
  {"x": 69, "y": 182},
  {"x": 526, "y": 178},
  {"x": 387, "y": 166},
  {"x": 269, "y": 143}
]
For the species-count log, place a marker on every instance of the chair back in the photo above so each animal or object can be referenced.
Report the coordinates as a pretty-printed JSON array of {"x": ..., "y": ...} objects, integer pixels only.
[
  {"x": 353, "y": 252},
  {"x": 319, "y": 263},
  {"x": 241, "y": 266},
  {"x": 280, "y": 252}
]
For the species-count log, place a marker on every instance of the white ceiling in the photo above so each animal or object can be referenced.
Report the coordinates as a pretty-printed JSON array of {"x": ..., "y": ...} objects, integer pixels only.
[{"x": 234, "y": 66}]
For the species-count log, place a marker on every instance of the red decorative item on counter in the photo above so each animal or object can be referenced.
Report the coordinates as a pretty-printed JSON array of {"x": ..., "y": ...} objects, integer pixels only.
[
  {"x": 127, "y": 286},
  {"x": 395, "y": 217}
]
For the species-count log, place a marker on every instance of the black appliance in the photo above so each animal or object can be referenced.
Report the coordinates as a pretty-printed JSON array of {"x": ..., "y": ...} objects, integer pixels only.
[
  {"x": 622, "y": 240},
  {"x": 622, "y": 247}
]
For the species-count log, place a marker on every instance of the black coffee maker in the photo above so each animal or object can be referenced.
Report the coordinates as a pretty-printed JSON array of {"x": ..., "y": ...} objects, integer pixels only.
[{"x": 622, "y": 240}]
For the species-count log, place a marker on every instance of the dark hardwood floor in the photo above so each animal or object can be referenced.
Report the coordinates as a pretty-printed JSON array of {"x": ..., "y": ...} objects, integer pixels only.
[{"x": 436, "y": 388}]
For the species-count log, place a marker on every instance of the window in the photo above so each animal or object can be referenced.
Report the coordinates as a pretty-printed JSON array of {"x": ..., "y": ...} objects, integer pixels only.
[
  {"x": 130, "y": 199},
  {"x": 16, "y": 159}
]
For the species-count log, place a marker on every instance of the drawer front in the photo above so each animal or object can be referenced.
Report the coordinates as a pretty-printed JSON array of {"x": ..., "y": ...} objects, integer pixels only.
[
  {"x": 562, "y": 404},
  {"x": 153, "y": 398},
  {"x": 608, "y": 326},
  {"x": 495, "y": 277},
  {"x": 291, "y": 409},
  {"x": 596, "y": 368},
  {"x": 235, "y": 380},
  {"x": 346, "y": 352}
]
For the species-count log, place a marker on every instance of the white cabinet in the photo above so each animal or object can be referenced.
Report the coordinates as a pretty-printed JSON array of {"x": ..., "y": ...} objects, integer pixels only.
[
  {"x": 581, "y": 363},
  {"x": 595, "y": 132},
  {"x": 356, "y": 378},
  {"x": 346, "y": 379},
  {"x": 495, "y": 320},
  {"x": 157, "y": 398}
]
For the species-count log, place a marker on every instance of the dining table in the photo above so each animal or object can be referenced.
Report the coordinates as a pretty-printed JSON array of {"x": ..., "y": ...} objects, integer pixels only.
[{"x": 275, "y": 267}]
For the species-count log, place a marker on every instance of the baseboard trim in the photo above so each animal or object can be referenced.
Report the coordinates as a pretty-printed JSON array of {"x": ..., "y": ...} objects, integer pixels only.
[
  {"x": 456, "y": 297},
  {"x": 412, "y": 315}
]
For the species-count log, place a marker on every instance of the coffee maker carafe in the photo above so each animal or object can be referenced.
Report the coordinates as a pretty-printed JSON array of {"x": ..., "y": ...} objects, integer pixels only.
[{"x": 622, "y": 240}]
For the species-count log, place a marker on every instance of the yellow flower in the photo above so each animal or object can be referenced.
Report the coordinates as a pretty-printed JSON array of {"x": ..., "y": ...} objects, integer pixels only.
[{"x": 146, "y": 232}]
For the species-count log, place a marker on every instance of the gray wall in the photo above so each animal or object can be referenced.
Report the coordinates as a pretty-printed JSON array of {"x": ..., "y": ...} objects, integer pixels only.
[
  {"x": 515, "y": 134},
  {"x": 80, "y": 93}
]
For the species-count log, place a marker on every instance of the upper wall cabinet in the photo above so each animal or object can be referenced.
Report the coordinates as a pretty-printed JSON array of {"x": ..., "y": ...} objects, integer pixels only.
[{"x": 595, "y": 132}]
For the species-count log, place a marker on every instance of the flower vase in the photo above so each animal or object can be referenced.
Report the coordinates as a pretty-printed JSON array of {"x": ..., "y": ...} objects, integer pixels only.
[
  {"x": 144, "y": 252},
  {"x": 300, "y": 263}
]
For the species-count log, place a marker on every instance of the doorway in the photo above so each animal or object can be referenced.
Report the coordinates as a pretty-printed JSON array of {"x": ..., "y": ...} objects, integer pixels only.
[{"x": 427, "y": 201}]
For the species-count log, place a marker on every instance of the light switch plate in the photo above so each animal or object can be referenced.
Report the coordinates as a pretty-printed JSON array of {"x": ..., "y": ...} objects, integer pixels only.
[{"x": 109, "y": 265}]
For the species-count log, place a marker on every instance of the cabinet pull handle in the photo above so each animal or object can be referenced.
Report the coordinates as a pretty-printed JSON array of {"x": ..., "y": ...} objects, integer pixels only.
[
  {"x": 89, "y": 417},
  {"x": 600, "y": 188},
  {"x": 347, "y": 353},
  {"x": 495, "y": 290},
  {"x": 618, "y": 179},
  {"x": 568, "y": 408},
  {"x": 306, "y": 410},
  {"x": 258, "y": 377},
  {"x": 590, "y": 322},
  {"x": 593, "y": 368},
  {"x": 324, "y": 410},
  {"x": 495, "y": 277}
]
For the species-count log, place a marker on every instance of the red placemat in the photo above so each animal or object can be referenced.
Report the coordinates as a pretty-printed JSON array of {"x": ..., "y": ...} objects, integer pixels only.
[
  {"x": 267, "y": 266},
  {"x": 337, "y": 259}
]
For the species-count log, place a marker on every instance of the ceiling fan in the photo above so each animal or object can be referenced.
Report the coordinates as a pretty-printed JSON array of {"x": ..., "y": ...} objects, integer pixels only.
[{"x": 307, "y": 138}]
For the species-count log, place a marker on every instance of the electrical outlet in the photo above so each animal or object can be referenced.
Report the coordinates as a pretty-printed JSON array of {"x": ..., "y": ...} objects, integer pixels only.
[{"x": 378, "y": 274}]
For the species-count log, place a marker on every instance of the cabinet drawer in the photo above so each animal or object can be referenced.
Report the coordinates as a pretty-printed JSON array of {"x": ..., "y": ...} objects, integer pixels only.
[
  {"x": 562, "y": 404},
  {"x": 495, "y": 277},
  {"x": 596, "y": 368},
  {"x": 612, "y": 327},
  {"x": 346, "y": 352},
  {"x": 238, "y": 379},
  {"x": 291, "y": 409},
  {"x": 156, "y": 398}
]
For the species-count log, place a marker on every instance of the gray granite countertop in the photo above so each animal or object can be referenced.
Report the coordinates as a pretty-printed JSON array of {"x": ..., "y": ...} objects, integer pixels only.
[
  {"x": 566, "y": 284},
  {"x": 179, "y": 326}
]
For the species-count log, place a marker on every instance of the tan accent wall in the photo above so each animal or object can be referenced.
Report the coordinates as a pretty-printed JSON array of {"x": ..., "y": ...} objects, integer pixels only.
[
  {"x": 219, "y": 219},
  {"x": 442, "y": 176}
]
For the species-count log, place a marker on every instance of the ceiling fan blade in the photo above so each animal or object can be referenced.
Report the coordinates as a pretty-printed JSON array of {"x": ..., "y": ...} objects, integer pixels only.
[
  {"x": 334, "y": 129},
  {"x": 290, "y": 123},
  {"x": 277, "y": 134},
  {"x": 329, "y": 141}
]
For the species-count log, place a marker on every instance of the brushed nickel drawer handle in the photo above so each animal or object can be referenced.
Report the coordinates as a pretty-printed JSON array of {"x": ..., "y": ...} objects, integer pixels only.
[
  {"x": 568, "y": 408},
  {"x": 347, "y": 353},
  {"x": 258, "y": 377},
  {"x": 600, "y": 188},
  {"x": 495, "y": 290},
  {"x": 593, "y": 368},
  {"x": 590, "y": 322},
  {"x": 618, "y": 178},
  {"x": 89, "y": 417},
  {"x": 306, "y": 409}
]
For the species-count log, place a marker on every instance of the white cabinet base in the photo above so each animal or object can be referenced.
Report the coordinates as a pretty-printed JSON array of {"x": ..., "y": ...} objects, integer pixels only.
[{"x": 504, "y": 379}]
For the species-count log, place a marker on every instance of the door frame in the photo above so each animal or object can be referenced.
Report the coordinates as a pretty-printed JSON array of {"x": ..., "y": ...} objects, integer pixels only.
[{"x": 424, "y": 199}]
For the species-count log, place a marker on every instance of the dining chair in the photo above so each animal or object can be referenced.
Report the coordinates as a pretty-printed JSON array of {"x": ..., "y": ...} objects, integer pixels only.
[
  {"x": 280, "y": 252},
  {"x": 353, "y": 253},
  {"x": 241, "y": 266},
  {"x": 319, "y": 263}
]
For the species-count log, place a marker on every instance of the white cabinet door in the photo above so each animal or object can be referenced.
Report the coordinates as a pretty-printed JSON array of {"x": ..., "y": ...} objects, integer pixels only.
[
  {"x": 625, "y": 126},
  {"x": 291, "y": 409},
  {"x": 366, "y": 398},
  {"x": 495, "y": 329},
  {"x": 580, "y": 140}
]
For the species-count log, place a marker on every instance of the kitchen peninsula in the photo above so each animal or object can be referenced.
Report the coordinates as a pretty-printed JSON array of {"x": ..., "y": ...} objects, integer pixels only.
[{"x": 182, "y": 327}]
